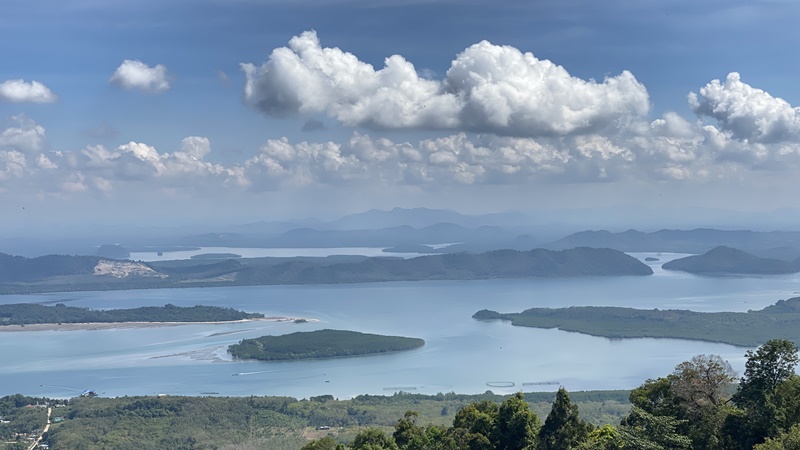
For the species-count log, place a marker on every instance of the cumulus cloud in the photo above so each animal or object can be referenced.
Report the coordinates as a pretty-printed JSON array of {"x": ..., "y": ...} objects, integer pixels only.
[
  {"x": 21, "y": 91},
  {"x": 746, "y": 112},
  {"x": 23, "y": 135},
  {"x": 488, "y": 88},
  {"x": 134, "y": 74}
]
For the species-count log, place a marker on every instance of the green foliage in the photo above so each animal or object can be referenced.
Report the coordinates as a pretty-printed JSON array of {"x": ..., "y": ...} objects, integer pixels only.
[
  {"x": 373, "y": 439},
  {"x": 766, "y": 403},
  {"x": 745, "y": 329},
  {"x": 326, "y": 443},
  {"x": 789, "y": 440},
  {"x": 563, "y": 429},
  {"x": 645, "y": 431},
  {"x": 320, "y": 344},
  {"x": 31, "y": 313},
  {"x": 516, "y": 427}
]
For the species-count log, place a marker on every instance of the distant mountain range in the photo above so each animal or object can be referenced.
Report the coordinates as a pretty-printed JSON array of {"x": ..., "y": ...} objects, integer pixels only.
[{"x": 773, "y": 244}]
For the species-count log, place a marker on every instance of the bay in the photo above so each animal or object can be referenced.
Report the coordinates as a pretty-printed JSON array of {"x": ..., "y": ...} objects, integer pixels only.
[{"x": 461, "y": 354}]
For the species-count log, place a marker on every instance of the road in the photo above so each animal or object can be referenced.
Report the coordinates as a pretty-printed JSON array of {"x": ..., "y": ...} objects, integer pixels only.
[{"x": 46, "y": 428}]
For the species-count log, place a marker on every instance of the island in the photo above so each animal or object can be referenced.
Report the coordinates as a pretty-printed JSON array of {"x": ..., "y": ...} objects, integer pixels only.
[
  {"x": 727, "y": 260},
  {"x": 216, "y": 256},
  {"x": 744, "y": 329},
  {"x": 651, "y": 259},
  {"x": 33, "y": 314},
  {"x": 320, "y": 344},
  {"x": 62, "y": 273}
]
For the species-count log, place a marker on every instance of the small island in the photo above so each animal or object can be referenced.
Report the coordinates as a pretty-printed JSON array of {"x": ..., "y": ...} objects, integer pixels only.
[
  {"x": 651, "y": 259},
  {"x": 320, "y": 344},
  {"x": 748, "y": 329},
  {"x": 726, "y": 260},
  {"x": 33, "y": 314},
  {"x": 216, "y": 256}
]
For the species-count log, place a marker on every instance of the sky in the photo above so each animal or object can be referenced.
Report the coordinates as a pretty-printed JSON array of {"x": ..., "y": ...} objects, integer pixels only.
[{"x": 176, "y": 111}]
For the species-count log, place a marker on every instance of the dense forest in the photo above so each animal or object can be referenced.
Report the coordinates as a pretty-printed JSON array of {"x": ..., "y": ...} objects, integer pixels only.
[
  {"x": 320, "y": 344},
  {"x": 31, "y": 313},
  {"x": 700, "y": 405},
  {"x": 748, "y": 329}
]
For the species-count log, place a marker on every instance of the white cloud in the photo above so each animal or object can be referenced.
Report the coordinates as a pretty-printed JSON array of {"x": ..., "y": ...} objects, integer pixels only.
[
  {"x": 134, "y": 74},
  {"x": 21, "y": 91},
  {"x": 746, "y": 112},
  {"x": 23, "y": 135},
  {"x": 488, "y": 88}
]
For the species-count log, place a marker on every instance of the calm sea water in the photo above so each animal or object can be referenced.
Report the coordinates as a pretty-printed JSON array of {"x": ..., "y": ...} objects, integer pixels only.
[
  {"x": 461, "y": 354},
  {"x": 270, "y": 252}
]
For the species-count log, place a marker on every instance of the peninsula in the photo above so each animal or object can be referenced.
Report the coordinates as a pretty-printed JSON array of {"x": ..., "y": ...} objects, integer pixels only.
[
  {"x": 748, "y": 329},
  {"x": 34, "y": 314},
  {"x": 320, "y": 344}
]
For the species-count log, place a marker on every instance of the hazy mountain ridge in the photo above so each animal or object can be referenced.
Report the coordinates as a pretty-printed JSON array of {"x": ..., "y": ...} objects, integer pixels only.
[{"x": 700, "y": 240}]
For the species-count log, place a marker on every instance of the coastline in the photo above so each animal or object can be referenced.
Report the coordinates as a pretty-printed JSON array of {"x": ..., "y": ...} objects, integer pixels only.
[{"x": 84, "y": 326}]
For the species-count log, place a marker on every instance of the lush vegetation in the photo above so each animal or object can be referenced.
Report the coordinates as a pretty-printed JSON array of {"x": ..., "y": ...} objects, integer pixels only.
[
  {"x": 744, "y": 329},
  {"x": 275, "y": 423},
  {"x": 691, "y": 408},
  {"x": 320, "y": 344},
  {"x": 698, "y": 406},
  {"x": 31, "y": 313},
  {"x": 20, "y": 418},
  {"x": 726, "y": 260}
]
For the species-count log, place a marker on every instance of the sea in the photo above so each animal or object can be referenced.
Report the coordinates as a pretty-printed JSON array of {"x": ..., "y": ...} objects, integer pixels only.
[{"x": 460, "y": 355}]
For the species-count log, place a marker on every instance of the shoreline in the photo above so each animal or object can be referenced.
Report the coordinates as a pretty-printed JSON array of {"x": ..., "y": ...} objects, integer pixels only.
[{"x": 84, "y": 326}]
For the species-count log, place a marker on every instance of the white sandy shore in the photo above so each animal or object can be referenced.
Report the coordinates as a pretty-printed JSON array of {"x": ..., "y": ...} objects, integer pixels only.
[{"x": 113, "y": 325}]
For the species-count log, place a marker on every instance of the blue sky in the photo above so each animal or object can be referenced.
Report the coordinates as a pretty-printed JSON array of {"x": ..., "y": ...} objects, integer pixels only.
[{"x": 141, "y": 110}]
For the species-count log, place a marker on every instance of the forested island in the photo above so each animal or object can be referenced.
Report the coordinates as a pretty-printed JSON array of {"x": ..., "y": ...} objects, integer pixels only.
[
  {"x": 31, "y": 313},
  {"x": 320, "y": 344},
  {"x": 20, "y": 275},
  {"x": 736, "y": 328},
  {"x": 727, "y": 260}
]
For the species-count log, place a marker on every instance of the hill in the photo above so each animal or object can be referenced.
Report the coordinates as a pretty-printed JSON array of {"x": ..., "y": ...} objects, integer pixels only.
[
  {"x": 726, "y": 260},
  {"x": 18, "y": 268}
]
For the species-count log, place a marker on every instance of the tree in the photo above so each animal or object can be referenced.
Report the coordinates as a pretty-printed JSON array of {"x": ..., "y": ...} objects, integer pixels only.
[
  {"x": 478, "y": 421},
  {"x": 563, "y": 429},
  {"x": 765, "y": 370},
  {"x": 407, "y": 435},
  {"x": 703, "y": 381},
  {"x": 645, "y": 431},
  {"x": 517, "y": 426},
  {"x": 789, "y": 440},
  {"x": 604, "y": 438},
  {"x": 373, "y": 439},
  {"x": 326, "y": 443}
]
